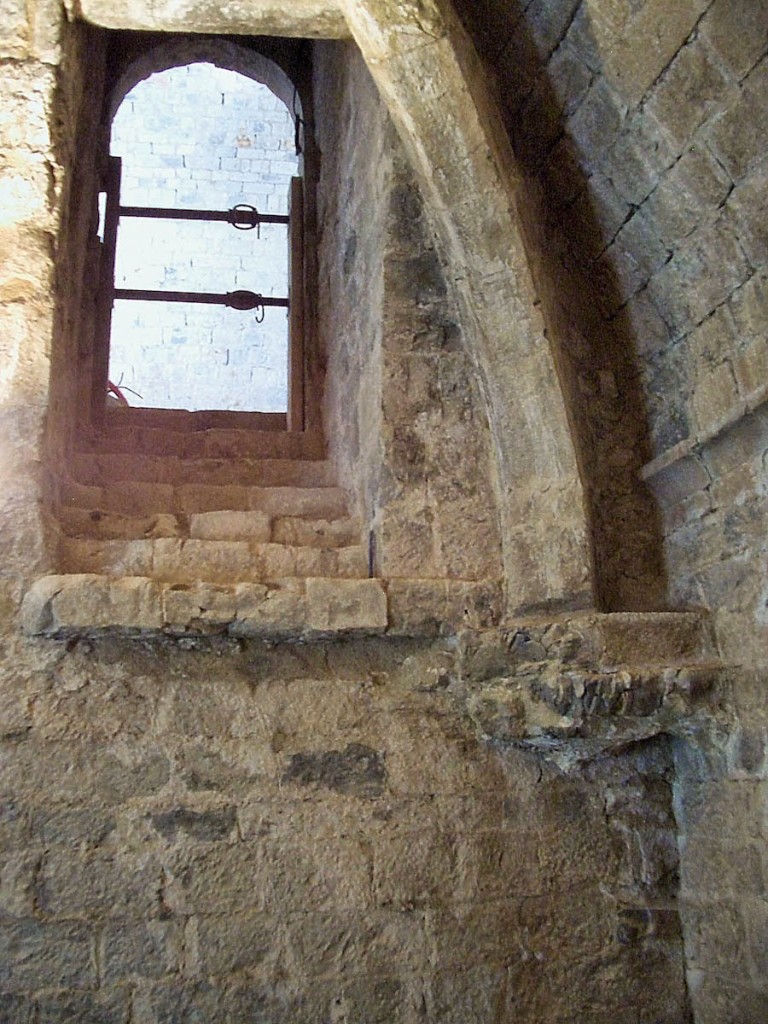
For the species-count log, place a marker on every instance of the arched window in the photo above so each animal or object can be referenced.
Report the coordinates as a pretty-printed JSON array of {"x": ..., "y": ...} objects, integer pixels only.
[{"x": 201, "y": 293}]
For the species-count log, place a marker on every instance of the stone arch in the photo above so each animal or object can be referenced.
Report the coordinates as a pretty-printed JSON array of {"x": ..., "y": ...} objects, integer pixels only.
[
  {"x": 427, "y": 71},
  {"x": 223, "y": 54}
]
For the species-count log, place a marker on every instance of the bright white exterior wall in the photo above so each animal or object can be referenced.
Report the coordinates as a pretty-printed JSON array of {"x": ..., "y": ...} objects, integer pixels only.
[{"x": 205, "y": 138}]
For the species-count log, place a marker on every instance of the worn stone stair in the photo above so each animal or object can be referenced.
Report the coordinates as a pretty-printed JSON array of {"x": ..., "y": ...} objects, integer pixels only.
[{"x": 183, "y": 499}]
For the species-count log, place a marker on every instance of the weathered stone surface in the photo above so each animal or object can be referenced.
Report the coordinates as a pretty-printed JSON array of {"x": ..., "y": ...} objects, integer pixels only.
[
  {"x": 253, "y": 526},
  {"x": 157, "y": 863},
  {"x": 357, "y": 770},
  {"x": 307, "y": 18},
  {"x": 346, "y": 605}
]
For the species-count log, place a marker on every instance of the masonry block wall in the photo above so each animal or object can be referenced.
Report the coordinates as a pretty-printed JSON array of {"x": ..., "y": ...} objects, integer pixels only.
[
  {"x": 201, "y": 827},
  {"x": 636, "y": 129},
  {"x": 405, "y": 418}
]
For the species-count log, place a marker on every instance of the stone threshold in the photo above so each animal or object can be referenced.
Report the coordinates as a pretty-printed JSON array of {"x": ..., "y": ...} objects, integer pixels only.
[{"x": 294, "y": 608}]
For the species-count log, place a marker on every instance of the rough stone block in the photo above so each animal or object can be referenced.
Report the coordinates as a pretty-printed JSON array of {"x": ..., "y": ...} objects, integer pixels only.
[
  {"x": 596, "y": 123},
  {"x": 692, "y": 90},
  {"x": 277, "y": 611},
  {"x": 653, "y": 638},
  {"x": 737, "y": 145},
  {"x": 140, "y": 949},
  {"x": 193, "y": 498},
  {"x": 715, "y": 400},
  {"x": 693, "y": 187},
  {"x": 346, "y": 605},
  {"x": 98, "y": 884},
  {"x": 137, "y": 497},
  {"x": 747, "y": 207},
  {"x": 37, "y": 955},
  {"x": 318, "y": 533},
  {"x": 325, "y": 502},
  {"x": 417, "y": 607},
  {"x": 254, "y": 526},
  {"x": 736, "y": 30},
  {"x": 639, "y": 158},
  {"x": 198, "y": 603},
  {"x": 80, "y": 602},
  {"x": 214, "y": 561},
  {"x": 106, "y": 557},
  {"x": 14, "y": 37},
  {"x": 235, "y": 942},
  {"x": 663, "y": 31}
]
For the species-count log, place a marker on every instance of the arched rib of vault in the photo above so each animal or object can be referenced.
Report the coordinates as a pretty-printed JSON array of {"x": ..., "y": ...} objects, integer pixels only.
[{"x": 427, "y": 72}]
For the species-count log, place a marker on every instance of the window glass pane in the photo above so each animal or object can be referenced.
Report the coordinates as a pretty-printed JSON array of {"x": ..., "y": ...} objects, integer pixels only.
[{"x": 199, "y": 137}]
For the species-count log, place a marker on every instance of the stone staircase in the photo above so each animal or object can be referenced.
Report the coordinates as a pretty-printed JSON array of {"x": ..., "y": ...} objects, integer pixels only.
[{"x": 189, "y": 498}]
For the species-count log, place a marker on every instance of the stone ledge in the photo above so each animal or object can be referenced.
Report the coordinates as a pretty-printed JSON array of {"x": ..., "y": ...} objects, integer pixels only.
[
  {"x": 590, "y": 685},
  {"x": 293, "y": 608},
  {"x": 87, "y": 604}
]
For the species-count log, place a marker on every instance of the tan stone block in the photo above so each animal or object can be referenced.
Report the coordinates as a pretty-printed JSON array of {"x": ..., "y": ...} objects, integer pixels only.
[
  {"x": 416, "y": 607},
  {"x": 751, "y": 368},
  {"x": 326, "y": 502},
  {"x": 474, "y": 605},
  {"x": 110, "y": 557},
  {"x": 137, "y": 497},
  {"x": 209, "y": 498},
  {"x": 226, "y": 525},
  {"x": 196, "y": 560},
  {"x": 36, "y": 610},
  {"x": 319, "y": 533},
  {"x": 346, "y": 605},
  {"x": 279, "y": 611},
  {"x": 80, "y": 522},
  {"x": 133, "y": 602},
  {"x": 352, "y": 562},
  {"x": 204, "y": 602},
  {"x": 652, "y": 638},
  {"x": 663, "y": 29},
  {"x": 272, "y": 561},
  {"x": 315, "y": 561},
  {"x": 14, "y": 34},
  {"x": 715, "y": 399},
  {"x": 305, "y": 18},
  {"x": 88, "y": 601}
]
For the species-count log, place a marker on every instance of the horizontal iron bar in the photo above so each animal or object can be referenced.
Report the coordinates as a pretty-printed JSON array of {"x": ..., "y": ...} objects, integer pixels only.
[
  {"x": 235, "y": 300},
  {"x": 250, "y": 217}
]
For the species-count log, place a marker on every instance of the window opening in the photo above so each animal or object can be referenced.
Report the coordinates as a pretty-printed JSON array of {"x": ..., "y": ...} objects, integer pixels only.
[{"x": 199, "y": 238}]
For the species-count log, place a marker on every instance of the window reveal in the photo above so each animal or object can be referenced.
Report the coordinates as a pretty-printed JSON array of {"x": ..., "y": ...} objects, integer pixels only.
[{"x": 220, "y": 288}]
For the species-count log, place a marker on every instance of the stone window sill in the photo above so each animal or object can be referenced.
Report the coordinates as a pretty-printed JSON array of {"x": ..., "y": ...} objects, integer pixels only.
[{"x": 83, "y": 604}]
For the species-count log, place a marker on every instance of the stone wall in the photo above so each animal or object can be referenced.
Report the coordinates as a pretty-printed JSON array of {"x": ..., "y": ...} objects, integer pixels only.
[
  {"x": 644, "y": 190},
  {"x": 311, "y": 834},
  {"x": 405, "y": 418},
  {"x": 321, "y": 831}
]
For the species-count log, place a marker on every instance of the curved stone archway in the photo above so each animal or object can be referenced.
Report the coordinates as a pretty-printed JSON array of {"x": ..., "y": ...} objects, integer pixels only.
[{"x": 427, "y": 71}]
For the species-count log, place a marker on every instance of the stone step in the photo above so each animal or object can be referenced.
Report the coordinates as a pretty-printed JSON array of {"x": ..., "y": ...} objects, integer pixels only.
[
  {"x": 180, "y": 560},
  {"x": 258, "y": 526},
  {"x": 145, "y": 499},
  {"x": 213, "y": 443},
  {"x": 101, "y": 470},
  {"x": 119, "y": 417}
]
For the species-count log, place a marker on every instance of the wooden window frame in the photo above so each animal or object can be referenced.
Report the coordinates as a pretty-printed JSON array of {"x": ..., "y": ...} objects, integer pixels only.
[{"x": 295, "y": 418}]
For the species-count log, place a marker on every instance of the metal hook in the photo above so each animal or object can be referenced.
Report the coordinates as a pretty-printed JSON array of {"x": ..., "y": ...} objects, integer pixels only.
[{"x": 239, "y": 226}]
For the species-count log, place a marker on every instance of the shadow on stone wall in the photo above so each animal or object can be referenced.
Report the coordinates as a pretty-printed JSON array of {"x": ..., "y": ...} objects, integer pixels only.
[{"x": 565, "y": 233}]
